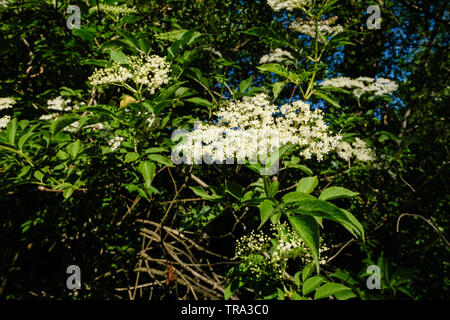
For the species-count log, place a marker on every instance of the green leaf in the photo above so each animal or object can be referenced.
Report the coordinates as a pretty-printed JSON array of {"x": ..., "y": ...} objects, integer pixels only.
[
  {"x": 11, "y": 130},
  {"x": 336, "y": 193},
  {"x": 327, "y": 98},
  {"x": 265, "y": 211},
  {"x": 307, "y": 185},
  {"x": 281, "y": 71},
  {"x": 308, "y": 271},
  {"x": 330, "y": 289},
  {"x": 160, "y": 159},
  {"x": 326, "y": 210},
  {"x": 202, "y": 193},
  {"x": 308, "y": 229},
  {"x": 38, "y": 175},
  {"x": 147, "y": 169},
  {"x": 301, "y": 167},
  {"x": 74, "y": 148},
  {"x": 312, "y": 283},
  {"x": 200, "y": 101},
  {"x": 131, "y": 157},
  {"x": 296, "y": 196},
  {"x": 244, "y": 85},
  {"x": 345, "y": 295},
  {"x": 24, "y": 139},
  {"x": 277, "y": 88},
  {"x": 67, "y": 193},
  {"x": 118, "y": 56},
  {"x": 62, "y": 122},
  {"x": 297, "y": 278},
  {"x": 228, "y": 293}
]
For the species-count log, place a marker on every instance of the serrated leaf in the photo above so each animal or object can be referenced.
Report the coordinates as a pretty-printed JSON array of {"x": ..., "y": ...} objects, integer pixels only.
[
  {"x": 11, "y": 130},
  {"x": 62, "y": 122},
  {"x": 301, "y": 167},
  {"x": 308, "y": 271},
  {"x": 265, "y": 211},
  {"x": 312, "y": 283},
  {"x": 200, "y": 101},
  {"x": 326, "y": 210},
  {"x": 131, "y": 157},
  {"x": 330, "y": 289},
  {"x": 74, "y": 148},
  {"x": 147, "y": 169},
  {"x": 118, "y": 56},
  {"x": 296, "y": 196},
  {"x": 160, "y": 159},
  {"x": 308, "y": 229},
  {"x": 202, "y": 193},
  {"x": 277, "y": 88},
  {"x": 332, "y": 193},
  {"x": 326, "y": 98},
  {"x": 307, "y": 185}
]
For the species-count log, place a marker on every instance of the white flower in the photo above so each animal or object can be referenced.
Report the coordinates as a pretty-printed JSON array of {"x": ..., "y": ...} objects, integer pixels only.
[
  {"x": 115, "y": 143},
  {"x": 4, "y": 121},
  {"x": 290, "y": 5},
  {"x": 363, "y": 85},
  {"x": 278, "y": 55},
  {"x": 49, "y": 116},
  {"x": 324, "y": 27},
  {"x": 4, "y": 4},
  {"x": 151, "y": 71},
  {"x": 6, "y": 103},
  {"x": 357, "y": 149},
  {"x": 59, "y": 104},
  {"x": 255, "y": 128}
]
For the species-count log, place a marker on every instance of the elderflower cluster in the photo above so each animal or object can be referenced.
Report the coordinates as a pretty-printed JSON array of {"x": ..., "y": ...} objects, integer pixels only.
[
  {"x": 115, "y": 143},
  {"x": 4, "y": 121},
  {"x": 278, "y": 55},
  {"x": 266, "y": 255},
  {"x": 255, "y": 128},
  {"x": 357, "y": 149},
  {"x": 6, "y": 103},
  {"x": 117, "y": 10},
  {"x": 278, "y": 5},
  {"x": 49, "y": 116},
  {"x": 59, "y": 104},
  {"x": 324, "y": 27},
  {"x": 151, "y": 71},
  {"x": 4, "y": 4},
  {"x": 363, "y": 85}
]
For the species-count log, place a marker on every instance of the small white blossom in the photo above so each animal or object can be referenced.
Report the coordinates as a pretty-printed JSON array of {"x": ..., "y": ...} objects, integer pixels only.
[
  {"x": 151, "y": 71},
  {"x": 255, "y": 128},
  {"x": 49, "y": 116},
  {"x": 278, "y": 55},
  {"x": 324, "y": 27},
  {"x": 278, "y": 5},
  {"x": 59, "y": 104},
  {"x": 7, "y": 103},
  {"x": 115, "y": 143},
  {"x": 4, "y": 121},
  {"x": 357, "y": 149},
  {"x": 363, "y": 85}
]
